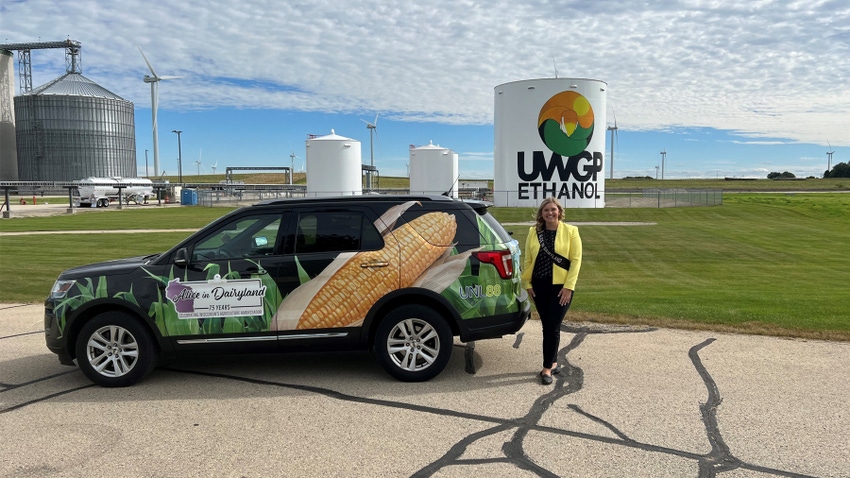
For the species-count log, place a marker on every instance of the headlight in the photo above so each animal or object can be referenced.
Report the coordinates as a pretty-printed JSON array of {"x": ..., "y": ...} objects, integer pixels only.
[{"x": 60, "y": 289}]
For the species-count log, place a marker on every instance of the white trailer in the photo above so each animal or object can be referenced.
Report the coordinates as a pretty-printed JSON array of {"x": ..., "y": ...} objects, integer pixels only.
[{"x": 99, "y": 192}]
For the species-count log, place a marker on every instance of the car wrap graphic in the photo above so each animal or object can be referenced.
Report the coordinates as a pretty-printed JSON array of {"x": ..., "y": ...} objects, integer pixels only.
[{"x": 217, "y": 299}]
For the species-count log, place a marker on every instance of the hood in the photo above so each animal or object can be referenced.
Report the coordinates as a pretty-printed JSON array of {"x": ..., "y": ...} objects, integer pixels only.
[{"x": 107, "y": 268}]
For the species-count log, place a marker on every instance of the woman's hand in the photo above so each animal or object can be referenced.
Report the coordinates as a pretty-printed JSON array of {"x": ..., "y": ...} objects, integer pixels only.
[{"x": 565, "y": 296}]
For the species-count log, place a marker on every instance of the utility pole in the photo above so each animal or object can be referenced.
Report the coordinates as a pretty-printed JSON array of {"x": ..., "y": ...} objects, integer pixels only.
[
  {"x": 663, "y": 159},
  {"x": 179, "y": 156}
]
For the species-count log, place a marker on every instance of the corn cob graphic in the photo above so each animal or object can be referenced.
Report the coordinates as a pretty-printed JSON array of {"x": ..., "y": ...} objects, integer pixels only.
[
  {"x": 354, "y": 288},
  {"x": 343, "y": 292}
]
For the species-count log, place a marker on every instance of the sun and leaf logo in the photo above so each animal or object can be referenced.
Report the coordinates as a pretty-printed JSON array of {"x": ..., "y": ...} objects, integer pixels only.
[{"x": 566, "y": 123}]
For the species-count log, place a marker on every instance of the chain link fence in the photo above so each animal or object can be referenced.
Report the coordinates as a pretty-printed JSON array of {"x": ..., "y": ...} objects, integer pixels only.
[
  {"x": 659, "y": 198},
  {"x": 644, "y": 198}
]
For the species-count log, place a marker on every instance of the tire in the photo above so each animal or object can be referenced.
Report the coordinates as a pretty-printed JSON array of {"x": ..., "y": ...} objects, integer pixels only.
[
  {"x": 413, "y": 343},
  {"x": 115, "y": 350}
]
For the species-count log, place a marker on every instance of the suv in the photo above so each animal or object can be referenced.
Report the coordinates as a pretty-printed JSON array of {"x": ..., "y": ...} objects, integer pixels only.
[{"x": 399, "y": 275}]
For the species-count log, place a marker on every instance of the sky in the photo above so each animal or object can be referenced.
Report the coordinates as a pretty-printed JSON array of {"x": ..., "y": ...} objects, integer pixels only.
[{"x": 724, "y": 88}]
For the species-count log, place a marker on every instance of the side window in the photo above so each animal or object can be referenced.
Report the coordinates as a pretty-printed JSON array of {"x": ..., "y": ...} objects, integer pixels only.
[
  {"x": 335, "y": 231},
  {"x": 254, "y": 235}
]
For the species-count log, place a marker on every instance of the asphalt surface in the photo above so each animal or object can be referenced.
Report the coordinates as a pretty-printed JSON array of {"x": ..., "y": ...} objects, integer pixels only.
[{"x": 630, "y": 402}]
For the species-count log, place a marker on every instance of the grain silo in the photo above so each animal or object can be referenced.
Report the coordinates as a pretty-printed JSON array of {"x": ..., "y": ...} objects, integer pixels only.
[
  {"x": 8, "y": 151},
  {"x": 72, "y": 128},
  {"x": 550, "y": 141},
  {"x": 333, "y": 166},
  {"x": 433, "y": 170}
]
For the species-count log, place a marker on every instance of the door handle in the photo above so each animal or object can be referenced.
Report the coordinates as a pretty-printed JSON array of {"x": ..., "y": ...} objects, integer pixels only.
[{"x": 369, "y": 265}]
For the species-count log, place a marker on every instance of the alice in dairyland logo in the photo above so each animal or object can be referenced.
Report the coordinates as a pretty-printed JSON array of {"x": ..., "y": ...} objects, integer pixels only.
[
  {"x": 216, "y": 297},
  {"x": 565, "y": 125}
]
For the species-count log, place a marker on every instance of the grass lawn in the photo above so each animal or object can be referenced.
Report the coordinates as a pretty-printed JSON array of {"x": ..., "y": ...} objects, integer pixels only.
[{"x": 771, "y": 263}]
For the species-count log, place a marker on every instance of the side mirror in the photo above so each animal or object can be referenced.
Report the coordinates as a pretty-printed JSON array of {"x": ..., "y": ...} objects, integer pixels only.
[
  {"x": 260, "y": 241},
  {"x": 181, "y": 257}
]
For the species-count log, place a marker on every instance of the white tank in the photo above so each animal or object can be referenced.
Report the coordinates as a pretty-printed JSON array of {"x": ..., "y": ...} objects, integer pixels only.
[
  {"x": 334, "y": 166},
  {"x": 550, "y": 141},
  {"x": 433, "y": 170},
  {"x": 8, "y": 148}
]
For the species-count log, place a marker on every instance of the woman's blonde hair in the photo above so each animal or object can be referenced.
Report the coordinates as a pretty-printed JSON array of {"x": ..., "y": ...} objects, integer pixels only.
[{"x": 540, "y": 222}]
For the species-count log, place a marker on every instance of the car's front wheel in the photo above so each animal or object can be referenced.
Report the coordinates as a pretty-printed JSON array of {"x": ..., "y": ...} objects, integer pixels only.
[
  {"x": 115, "y": 350},
  {"x": 413, "y": 343}
]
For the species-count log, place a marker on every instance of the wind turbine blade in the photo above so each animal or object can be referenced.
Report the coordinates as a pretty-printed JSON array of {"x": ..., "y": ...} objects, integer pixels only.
[
  {"x": 375, "y": 124},
  {"x": 169, "y": 77},
  {"x": 153, "y": 73},
  {"x": 378, "y": 140},
  {"x": 368, "y": 124}
]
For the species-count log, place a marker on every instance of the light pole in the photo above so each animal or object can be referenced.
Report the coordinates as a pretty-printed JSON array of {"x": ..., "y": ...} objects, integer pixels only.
[
  {"x": 179, "y": 156},
  {"x": 613, "y": 130}
]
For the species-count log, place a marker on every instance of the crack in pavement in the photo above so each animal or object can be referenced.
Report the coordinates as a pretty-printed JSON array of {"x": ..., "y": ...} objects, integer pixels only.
[
  {"x": 719, "y": 459},
  {"x": 571, "y": 380}
]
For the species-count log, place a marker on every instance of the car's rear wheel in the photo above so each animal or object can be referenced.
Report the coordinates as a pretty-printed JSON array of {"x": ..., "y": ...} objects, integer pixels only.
[
  {"x": 115, "y": 350},
  {"x": 413, "y": 343}
]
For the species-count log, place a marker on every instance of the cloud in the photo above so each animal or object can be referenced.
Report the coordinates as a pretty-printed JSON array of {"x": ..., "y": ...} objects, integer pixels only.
[{"x": 765, "y": 69}]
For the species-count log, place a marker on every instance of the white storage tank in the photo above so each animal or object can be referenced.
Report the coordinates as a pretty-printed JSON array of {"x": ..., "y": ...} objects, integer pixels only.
[
  {"x": 8, "y": 149},
  {"x": 333, "y": 166},
  {"x": 433, "y": 171},
  {"x": 550, "y": 141}
]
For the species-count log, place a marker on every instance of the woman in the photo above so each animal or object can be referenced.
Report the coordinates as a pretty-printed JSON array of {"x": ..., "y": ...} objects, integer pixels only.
[{"x": 550, "y": 269}]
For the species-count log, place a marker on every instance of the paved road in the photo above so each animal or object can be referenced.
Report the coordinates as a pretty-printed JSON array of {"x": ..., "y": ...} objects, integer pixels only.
[{"x": 632, "y": 402}]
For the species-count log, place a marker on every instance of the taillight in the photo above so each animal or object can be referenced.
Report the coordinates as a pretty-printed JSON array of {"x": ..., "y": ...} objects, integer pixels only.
[{"x": 503, "y": 261}]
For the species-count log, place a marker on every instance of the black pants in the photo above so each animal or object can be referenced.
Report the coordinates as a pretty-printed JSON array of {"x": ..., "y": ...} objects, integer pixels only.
[{"x": 551, "y": 315}]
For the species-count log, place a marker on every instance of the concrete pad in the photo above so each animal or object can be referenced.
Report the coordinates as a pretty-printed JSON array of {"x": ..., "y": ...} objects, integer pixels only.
[{"x": 630, "y": 402}]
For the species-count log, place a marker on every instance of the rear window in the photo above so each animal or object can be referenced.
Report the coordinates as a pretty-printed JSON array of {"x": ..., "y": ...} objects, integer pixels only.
[{"x": 495, "y": 227}]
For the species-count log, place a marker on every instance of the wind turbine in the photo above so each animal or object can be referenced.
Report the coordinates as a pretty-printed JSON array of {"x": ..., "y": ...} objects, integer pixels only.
[
  {"x": 292, "y": 157},
  {"x": 214, "y": 166},
  {"x": 198, "y": 162},
  {"x": 829, "y": 157},
  {"x": 613, "y": 130},
  {"x": 372, "y": 127},
  {"x": 154, "y": 80}
]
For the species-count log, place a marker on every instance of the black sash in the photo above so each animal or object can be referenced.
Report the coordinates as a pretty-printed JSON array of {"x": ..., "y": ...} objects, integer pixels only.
[{"x": 558, "y": 259}]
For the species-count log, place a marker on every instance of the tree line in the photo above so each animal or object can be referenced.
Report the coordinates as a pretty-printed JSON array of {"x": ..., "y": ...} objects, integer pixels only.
[{"x": 841, "y": 170}]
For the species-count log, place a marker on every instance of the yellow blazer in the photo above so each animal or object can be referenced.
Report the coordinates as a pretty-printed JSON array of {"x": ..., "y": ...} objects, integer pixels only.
[{"x": 567, "y": 244}]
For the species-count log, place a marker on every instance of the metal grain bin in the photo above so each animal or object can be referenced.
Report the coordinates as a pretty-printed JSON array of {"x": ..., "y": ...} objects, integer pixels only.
[{"x": 72, "y": 128}]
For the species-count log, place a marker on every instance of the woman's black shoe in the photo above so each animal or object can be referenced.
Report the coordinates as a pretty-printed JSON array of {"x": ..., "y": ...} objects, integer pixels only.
[{"x": 545, "y": 379}]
